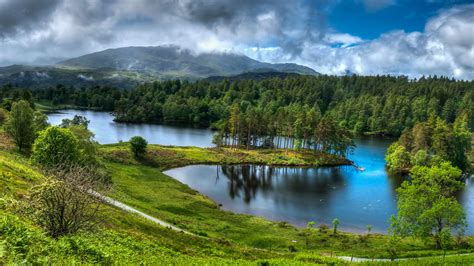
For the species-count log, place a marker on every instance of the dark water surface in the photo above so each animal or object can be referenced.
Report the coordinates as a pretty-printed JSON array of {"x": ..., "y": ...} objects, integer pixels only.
[{"x": 296, "y": 195}]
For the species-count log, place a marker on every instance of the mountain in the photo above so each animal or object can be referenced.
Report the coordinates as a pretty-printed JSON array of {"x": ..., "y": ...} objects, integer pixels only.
[
  {"x": 172, "y": 61},
  {"x": 129, "y": 66}
]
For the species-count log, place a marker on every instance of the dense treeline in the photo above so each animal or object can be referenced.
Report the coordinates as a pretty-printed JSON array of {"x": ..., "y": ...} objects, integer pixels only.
[
  {"x": 429, "y": 143},
  {"x": 290, "y": 127},
  {"x": 101, "y": 98},
  {"x": 381, "y": 104}
]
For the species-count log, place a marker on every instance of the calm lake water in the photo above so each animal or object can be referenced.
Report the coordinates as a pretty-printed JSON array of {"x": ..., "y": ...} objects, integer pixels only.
[
  {"x": 299, "y": 195},
  {"x": 295, "y": 195},
  {"x": 107, "y": 131}
]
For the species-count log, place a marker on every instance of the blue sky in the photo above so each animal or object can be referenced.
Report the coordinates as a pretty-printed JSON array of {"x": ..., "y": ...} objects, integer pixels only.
[
  {"x": 335, "y": 37},
  {"x": 357, "y": 18}
]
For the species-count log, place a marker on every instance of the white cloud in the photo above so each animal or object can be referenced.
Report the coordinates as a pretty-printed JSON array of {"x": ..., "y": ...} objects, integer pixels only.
[
  {"x": 342, "y": 38},
  {"x": 86, "y": 78},
  {"x": 269, "y": 30},
  {"x": 445, "y": 47}
]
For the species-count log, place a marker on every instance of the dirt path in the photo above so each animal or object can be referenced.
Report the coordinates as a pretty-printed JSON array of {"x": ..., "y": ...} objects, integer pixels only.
[
  {"x": 356, "y": 259},
  {"x": 127, "y": 208}
]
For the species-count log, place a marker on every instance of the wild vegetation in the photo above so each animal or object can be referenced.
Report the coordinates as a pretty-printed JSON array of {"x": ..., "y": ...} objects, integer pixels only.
[
  {"x": 429, "y": 143},
  {"x": 65, "y": 222},
  {"x": 434, "y": 153},
  {"x": 382, "y": 104},
  {"x": 427, "y": 207}
]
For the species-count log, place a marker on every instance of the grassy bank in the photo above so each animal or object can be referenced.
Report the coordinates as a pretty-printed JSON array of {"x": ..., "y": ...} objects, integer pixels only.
[
  {"x": 165, "y": 157},
  {"x": 226, "y": 238},
  {"x": 121, "y": 237},
  {"x": 49, "y": 107},
  {"x": 141, "y": 184}
]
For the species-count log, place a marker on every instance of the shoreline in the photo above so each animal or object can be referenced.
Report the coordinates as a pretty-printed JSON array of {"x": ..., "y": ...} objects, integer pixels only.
[
  {"x": 168, "y": 157},
  {"x": 144, "y": 185}
]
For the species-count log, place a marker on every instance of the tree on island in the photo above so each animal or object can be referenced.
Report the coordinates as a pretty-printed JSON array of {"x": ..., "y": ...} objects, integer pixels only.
[{"x": 430, "y": 142}]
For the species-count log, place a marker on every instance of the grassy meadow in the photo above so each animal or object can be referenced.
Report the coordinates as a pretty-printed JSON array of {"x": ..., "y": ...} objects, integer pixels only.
[{"x": 222, "y": 237}]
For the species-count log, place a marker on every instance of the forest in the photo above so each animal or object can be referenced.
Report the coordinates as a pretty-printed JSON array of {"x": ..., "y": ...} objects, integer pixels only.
[
  {"x": 290, "y": 127},
  {"x": 429, "y": 143},
  {"x": 383, "y": 105},
  {"x": 298, "y": 113}
]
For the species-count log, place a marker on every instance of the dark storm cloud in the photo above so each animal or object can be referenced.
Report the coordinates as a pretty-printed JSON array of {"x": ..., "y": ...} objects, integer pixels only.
[
  {"x": 45, "y": 31},
  {"x": 79, "y": 24},
  {"x": 24, "y": 15},
  {"x": 290, "y": 23}
]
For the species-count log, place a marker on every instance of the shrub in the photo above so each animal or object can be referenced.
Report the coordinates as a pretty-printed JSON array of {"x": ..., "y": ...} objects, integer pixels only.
[
  {"x": 335, "y": 223},
  {"x": 138, "y": 146},
  {"x": 323, "y": 228},
  {"x": 55, "y": 146},
  {"x": 3, "y": 115},
  {"x": 67, "y": 201}
]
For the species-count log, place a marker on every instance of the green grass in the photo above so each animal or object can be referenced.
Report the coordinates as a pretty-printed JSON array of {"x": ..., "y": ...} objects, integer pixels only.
[
  {"x": 142, "y": 185},
  {"x": 121, "y": 236},
  {"x": 229, "y": 238},
  {"x": 173, "y": 156},
  {"x": 49, "y": 107}
]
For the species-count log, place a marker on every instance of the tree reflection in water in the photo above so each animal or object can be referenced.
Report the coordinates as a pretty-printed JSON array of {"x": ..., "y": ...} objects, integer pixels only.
[{"x": 245, "y": 181}]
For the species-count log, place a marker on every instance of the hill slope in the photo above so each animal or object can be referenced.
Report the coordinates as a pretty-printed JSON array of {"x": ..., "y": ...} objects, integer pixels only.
[
  {"x": 172, "y": 61},
  {"x": 126, "y": 67}
]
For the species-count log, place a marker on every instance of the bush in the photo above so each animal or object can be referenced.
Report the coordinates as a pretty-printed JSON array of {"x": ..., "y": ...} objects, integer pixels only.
[
  {"x": 323, "y": 228},
  {"x": 55, "y": 146},
  {"x": 3, "y": 115},
  {"x": 68, "y": 201},
  {"x": 138, "y": 146}
]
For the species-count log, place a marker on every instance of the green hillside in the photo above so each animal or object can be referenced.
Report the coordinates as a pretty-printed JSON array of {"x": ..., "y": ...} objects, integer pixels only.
[{"x": 220, "y": 238}]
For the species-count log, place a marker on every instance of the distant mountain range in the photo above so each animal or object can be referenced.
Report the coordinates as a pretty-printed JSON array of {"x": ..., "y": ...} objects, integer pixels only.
[{"x": 129, "y": 66}]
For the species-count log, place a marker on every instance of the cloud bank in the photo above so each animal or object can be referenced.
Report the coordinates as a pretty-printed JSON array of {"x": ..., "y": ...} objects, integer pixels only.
[{"x": 43, "y": 32}]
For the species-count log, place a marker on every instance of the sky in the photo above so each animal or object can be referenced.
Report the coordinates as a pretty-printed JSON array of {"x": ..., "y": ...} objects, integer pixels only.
[{"x": 366, "y": 37}]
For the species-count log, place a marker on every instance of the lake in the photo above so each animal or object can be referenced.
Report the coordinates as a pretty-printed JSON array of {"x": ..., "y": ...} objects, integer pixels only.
[
  {"x": 300, "y": 195},
  {"x": 295, "y": 195},
  {"x": 107, "y": 131}
]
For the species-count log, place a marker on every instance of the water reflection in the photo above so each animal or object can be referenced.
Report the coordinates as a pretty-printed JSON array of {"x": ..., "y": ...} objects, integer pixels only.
[
  {"x": 245, "y": 181},
  {"x": 107, "y": 131},
  {"x": 297, "y": 195}
]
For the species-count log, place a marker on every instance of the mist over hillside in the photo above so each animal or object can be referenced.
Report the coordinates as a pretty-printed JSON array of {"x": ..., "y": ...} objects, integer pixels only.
[{"x": 128, "y": 66}]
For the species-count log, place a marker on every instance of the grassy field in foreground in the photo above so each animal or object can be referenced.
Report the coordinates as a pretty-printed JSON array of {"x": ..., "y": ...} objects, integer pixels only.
[
  {"x": 226, "y": 238},
  {"x": 122, "y": 237},
  {"x": 142, "y": 185}
]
